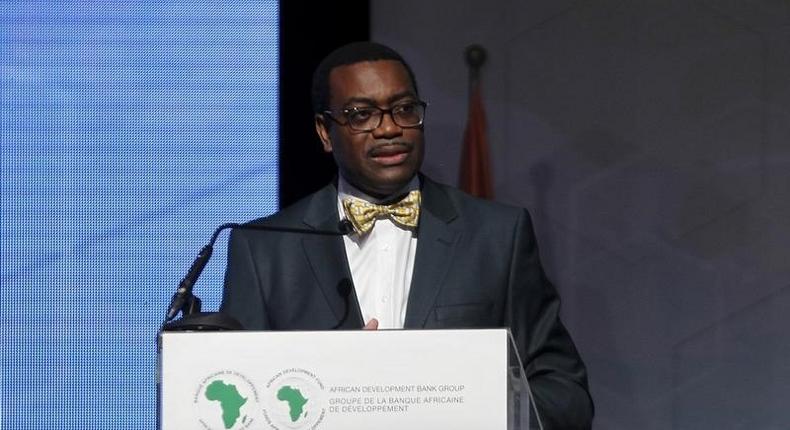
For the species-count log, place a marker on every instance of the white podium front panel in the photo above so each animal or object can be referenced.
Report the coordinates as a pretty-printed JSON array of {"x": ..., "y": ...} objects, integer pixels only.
[{"x": 387, "y": 379}]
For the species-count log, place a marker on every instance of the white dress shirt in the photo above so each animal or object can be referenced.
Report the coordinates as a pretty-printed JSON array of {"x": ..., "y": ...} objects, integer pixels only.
[{"x": 381, "y": 262}]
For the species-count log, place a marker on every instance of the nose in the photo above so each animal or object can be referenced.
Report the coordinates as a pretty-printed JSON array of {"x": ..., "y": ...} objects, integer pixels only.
[{"x": 387, "y": 128}]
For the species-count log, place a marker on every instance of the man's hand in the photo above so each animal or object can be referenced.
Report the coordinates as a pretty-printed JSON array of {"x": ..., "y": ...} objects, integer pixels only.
[{"x": 373, "y": 324}]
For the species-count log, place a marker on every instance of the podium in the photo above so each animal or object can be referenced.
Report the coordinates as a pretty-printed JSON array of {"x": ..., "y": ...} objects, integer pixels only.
[{"x": 384, "y": 379}]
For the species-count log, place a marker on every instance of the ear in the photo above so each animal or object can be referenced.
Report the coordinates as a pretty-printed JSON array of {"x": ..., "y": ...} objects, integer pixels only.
[{"x": 322, "y": 128}]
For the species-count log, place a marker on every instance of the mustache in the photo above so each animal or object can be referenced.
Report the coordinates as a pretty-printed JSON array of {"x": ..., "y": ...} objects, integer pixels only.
[{"x": 390, "y": 147}]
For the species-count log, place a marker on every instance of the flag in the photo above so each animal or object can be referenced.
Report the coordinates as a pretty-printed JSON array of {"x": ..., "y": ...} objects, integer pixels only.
[{"x": 475, "y": 171}]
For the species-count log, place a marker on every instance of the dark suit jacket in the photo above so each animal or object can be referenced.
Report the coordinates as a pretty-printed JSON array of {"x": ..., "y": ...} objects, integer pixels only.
[{"x": 476, "y": 266}]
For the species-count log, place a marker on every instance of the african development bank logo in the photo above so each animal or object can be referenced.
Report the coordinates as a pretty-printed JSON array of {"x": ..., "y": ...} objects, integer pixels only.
[
  {"x": 226, "y": 400},
  {"x": 295, "y": 399}
]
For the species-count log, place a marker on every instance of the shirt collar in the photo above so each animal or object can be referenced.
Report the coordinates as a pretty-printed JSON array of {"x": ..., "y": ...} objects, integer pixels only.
[{"x": 345, "y": 189}]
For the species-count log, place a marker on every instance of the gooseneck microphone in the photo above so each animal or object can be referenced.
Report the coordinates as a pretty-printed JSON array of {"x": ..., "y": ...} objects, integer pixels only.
[
  {"x": 344, "y": 288},
  {"x": 185, "y": 302}
]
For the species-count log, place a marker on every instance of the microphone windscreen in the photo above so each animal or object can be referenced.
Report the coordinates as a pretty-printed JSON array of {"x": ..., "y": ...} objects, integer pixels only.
[
  {"x": 345, "y": 226},
  {"x": 344, "y": 287}
]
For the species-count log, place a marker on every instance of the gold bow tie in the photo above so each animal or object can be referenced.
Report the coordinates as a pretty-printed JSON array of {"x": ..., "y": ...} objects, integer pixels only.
[{"x": 363, "y": 214}]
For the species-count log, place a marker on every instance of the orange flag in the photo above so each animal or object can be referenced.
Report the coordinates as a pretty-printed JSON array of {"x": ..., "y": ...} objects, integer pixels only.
[{"x": 475, "y": 173}]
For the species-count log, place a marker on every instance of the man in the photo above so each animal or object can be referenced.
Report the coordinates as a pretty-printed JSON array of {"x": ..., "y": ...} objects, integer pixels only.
[{"x": 429, "y": 256}]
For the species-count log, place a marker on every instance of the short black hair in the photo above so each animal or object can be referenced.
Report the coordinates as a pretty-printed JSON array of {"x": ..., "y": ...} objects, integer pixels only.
[{"x": 352, "y": 53}]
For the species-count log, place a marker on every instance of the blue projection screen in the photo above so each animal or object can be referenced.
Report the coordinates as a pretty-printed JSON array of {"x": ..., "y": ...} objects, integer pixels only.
[{"x": 130, "y": 130}]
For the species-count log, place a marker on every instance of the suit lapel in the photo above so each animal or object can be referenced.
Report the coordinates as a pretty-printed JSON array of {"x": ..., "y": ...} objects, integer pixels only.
[
  {"x": 436, "y": 246},
  {"x": 327, "y": 256}
]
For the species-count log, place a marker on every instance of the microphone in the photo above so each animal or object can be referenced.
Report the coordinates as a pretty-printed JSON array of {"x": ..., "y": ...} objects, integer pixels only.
[
  {"x": 184, "y": 301},
  {"x": 345, "y": 226},
  {"x": 344, "y": 288}
]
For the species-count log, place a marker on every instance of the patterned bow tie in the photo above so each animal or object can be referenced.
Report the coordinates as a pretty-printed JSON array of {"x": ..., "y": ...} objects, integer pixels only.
[{"x": 363, "y": 214}]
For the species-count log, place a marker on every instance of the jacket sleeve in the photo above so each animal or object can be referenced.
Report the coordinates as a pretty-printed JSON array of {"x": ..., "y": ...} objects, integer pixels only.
[
  {"x": 241, "y": 296},
  {"x": 554, "y": 369}
]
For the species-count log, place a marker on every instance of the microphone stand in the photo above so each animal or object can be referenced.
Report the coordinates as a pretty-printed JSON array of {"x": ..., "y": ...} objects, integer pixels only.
[{"x": 189, "y": 305}]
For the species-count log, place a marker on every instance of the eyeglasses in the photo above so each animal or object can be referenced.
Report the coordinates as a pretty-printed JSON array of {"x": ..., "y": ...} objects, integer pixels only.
[{"x": 368, "y": 118}]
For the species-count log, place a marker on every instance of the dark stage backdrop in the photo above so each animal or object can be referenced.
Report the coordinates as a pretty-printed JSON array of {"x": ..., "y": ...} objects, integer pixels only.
[
  {"x": 650, "y": 140},
  {"x": 309, "y": 32}
]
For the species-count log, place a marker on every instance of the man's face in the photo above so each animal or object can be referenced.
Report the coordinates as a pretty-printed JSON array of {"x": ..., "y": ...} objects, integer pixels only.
[{"x": 382, "y": 161}]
